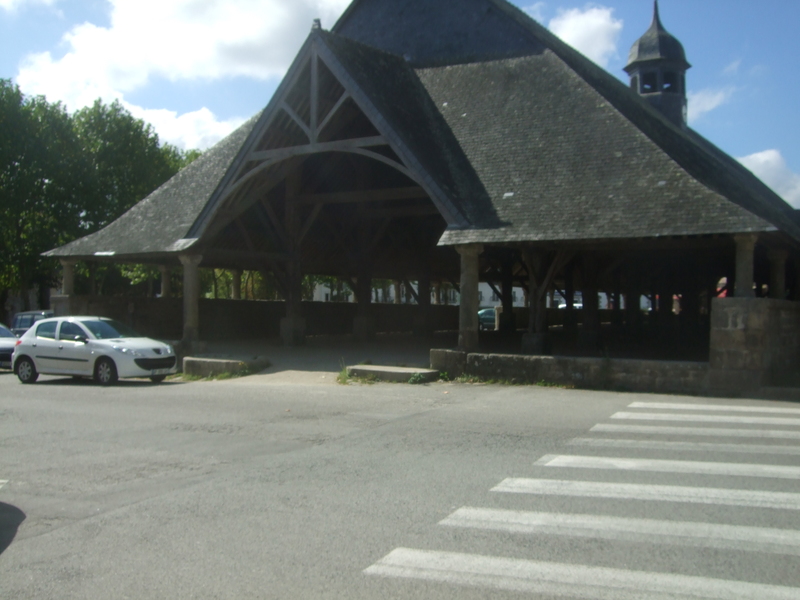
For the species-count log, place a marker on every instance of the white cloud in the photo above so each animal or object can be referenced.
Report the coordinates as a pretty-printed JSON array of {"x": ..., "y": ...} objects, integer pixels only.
[
  {"x": 198, "y": 129},
  {"x": 704, "y": 101},
  {"x": 771, "y": 168},
  {"x": 733, "y": 68},
  {"x": 592, "y": 30},
  {"x": 536, "y": 11},
  {"x": 176, "y": 40},
  {"x": 13, "y": 5}
]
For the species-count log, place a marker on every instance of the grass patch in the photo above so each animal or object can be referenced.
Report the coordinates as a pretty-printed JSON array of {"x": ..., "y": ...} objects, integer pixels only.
[{"x": 343, "y": 377}]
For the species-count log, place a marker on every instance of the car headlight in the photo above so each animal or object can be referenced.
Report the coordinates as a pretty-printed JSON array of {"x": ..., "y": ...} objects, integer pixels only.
[{"x": 128, "y": 351}]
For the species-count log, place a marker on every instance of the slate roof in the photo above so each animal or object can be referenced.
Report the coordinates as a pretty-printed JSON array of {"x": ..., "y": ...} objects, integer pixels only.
[
  {"x": 160, "y": 222},
  {"x": 520, "y": 137},
  {"x": 405, "y": 108},
  {"x": 657, "y": 44}
]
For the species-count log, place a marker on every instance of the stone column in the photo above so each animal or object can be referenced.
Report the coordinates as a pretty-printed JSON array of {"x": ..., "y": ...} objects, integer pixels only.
[
  {"x": 570, "y": 317},
  {"x": 633, "y": 311},
  {"x": 536, "y": 340},
  {"x": 796, "y": 289},
  {"x": 589, "y": 334},
  {"x": 191, "y": 297},
  {"x": 507, "y": 320},
  {"x": 396, "y": 286},
  {"x": 469, "y": 304},
  {"x": 236, "y": 284},
  {"x": 745, "y": 246},
  {"x": 777, "y": 274},
  {"x": 166, "y": 281},
  {"x": 293, "y": 325},
  {"x": 68, "y": 277}
]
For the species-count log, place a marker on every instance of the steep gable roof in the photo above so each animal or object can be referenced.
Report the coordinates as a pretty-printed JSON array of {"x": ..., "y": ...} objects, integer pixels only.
[
  {"x": 161, "y": 222},
  {"x": 483, "y": 30}
]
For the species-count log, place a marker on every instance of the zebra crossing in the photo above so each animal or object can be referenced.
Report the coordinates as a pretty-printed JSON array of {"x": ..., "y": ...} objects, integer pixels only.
[{"x": 700, "y": 430}]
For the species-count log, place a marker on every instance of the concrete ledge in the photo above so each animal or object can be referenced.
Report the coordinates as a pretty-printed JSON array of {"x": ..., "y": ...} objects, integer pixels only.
[
  {"x": 588, "y": 373},
  {"x": 201, "y": 366},
  {"x": 398, "y": 374}
]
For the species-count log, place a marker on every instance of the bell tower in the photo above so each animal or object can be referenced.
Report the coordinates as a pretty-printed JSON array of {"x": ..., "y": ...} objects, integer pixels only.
[{"x": 657, "y": 67}]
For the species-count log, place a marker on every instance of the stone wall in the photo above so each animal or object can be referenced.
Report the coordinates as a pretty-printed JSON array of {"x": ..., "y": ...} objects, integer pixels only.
[
  {"x": 668, "y": 377},
  {"x": 162, "y": 318},
  {"x": 755, "y": 342}
]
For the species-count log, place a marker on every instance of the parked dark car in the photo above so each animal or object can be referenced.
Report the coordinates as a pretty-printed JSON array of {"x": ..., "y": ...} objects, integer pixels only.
[
  {"x": 23, "y": 320},
  {"x": 7, "y": 342},
  {"x": 486, "y": 319}
]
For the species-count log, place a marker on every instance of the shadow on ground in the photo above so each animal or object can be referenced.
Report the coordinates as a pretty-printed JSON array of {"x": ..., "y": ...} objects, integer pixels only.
[{"x": 10, "y": 519}]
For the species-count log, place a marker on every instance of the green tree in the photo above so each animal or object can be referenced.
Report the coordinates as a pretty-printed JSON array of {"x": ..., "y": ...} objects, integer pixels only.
[
  {"x": 43, "y": 182},
  {"x": 126, "y": 160}
]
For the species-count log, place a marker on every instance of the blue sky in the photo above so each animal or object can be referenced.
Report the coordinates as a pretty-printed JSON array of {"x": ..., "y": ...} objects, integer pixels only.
[{"x": 195, "y": 69}]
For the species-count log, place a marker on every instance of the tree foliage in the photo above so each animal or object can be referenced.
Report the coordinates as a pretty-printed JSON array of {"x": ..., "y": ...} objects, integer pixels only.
[{"x": 63, "y": 176}]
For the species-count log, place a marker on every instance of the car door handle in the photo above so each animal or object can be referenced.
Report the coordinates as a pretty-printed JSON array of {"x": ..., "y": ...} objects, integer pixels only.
[{"x": 61, "y": 347}]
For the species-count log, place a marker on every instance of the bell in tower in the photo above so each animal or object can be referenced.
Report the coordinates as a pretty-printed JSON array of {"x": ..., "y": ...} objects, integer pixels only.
[{"x": 657, "y": 68}]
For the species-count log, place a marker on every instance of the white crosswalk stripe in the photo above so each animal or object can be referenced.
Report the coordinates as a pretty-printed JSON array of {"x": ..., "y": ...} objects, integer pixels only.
[
  {"x": 3, "y": 482},
  {"x": 658, "y": 493},
  {"x": 783, "y": 434},
  {"x": 598, "y": 582},
  {"x": 635, "y": 416},
  {"x": 709, "y": 535},
  {"x": 715, "y": 407},
  {"x": 684, "y": 446},
  {"x": 575, "y": 581},
  {"x": 668, "y": 466}
]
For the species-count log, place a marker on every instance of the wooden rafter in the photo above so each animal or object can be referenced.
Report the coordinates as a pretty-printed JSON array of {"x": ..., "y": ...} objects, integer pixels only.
[
  {"x": 404, "y": 193},
  {"x": 342, "y": 99},
  {"x": 309, "y": 222}
]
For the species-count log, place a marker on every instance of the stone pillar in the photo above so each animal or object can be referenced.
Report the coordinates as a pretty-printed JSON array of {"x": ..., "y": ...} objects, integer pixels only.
[
  {"x": 633, "y": 311},
  {"x": 191, "y": 297},
  {"x": 396, "y": 286},
  {"x": 570, "y": 317},
  {"x": 745, "y": 246},
  {"x": 777, "y": 274},
  {"x": 507, "y": 320},
  {"x": 536, "y": 340},
  {"x": 68, "y": 277},
  {"x": 166, "y": 281},
  {"x": 236, "y": 284},
  {"x": 422, "y": 319},
  {"x": 364, "y": 324},
  {"x": 589, "y": 334},
  {"x": 469, "y": 304},
  {"x": 293, "y": 325},
  {"x": 796, "y": 289}
]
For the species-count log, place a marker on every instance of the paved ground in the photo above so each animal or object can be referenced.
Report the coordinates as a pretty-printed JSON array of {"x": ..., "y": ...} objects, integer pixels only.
[
  {"x": 321, "y": 359},
  {"x": 251, "y": 488}
]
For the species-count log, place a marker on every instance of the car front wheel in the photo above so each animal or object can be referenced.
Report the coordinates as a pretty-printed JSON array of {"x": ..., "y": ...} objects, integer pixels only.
[
  {"x": 105, "y": 371},
  {"x": 158, "y": 378},
  {"x": 26, "y": 370}
]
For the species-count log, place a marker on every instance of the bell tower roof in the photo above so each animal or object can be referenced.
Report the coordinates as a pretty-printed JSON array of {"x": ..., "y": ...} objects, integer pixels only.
[{"x": 657, "y": 44}]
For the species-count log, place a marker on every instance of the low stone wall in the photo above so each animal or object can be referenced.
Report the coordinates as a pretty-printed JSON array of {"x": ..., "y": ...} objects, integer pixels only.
[
  {"x": 162, "y": 318},
  {"x": 669, "y": 377},
  {"x": 159, "y": 318},
  {"x": 755, "y": 342}
]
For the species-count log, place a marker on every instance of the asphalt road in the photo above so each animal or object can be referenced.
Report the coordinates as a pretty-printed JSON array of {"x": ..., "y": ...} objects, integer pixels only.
[{"x": 243, "y": 489}]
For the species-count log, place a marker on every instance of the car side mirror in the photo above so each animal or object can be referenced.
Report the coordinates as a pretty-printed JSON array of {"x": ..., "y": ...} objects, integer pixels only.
[{"x": 81, "y": 339}]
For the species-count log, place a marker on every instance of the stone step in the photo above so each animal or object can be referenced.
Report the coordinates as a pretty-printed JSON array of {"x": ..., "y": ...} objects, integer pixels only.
[{"x": 397, "y": 374}]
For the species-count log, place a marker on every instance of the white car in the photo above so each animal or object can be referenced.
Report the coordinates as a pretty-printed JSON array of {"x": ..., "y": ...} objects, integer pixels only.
[
  {"x": 7, "y": 342},
  {"x": 90, "y": 347}
]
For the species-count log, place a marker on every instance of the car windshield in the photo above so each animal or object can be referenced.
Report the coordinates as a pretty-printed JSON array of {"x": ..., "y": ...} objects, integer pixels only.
[
  {"x": 104, "y": 330},
  {"x": 5, "y": 333}
]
